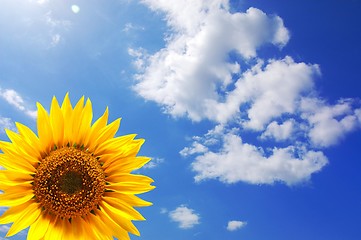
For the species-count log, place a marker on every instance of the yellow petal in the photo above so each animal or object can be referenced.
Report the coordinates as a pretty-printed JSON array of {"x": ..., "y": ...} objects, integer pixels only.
[
  {"x": 30, "y": 137},
  {"x": 23, "y": 147},
  {"x": 11, "y": 159},
  {"x": 10, "y": 185},
  {"x": 68, "y": 230},
  {"x": 114, "y": 145},
  {"x": 25, "y": 219},
  {"x": 130, "y": 187},
  {"x": 16, "y": 197},
  {"x": 75, "y": 120},
  {"x": 124, "y": 178},
  {"x": 44, "y": 129},
  {"x": 82, "y": 229},
  {"x": 105, "y": 133},
  {"x": 13, "y": 213},
  {"x": 128, "y": 198},
  {"x": 14, "y": 176},
  {"x": 95, "y": 128},
  {"x": 124, "y": 165},
  {"x": 128, "y": 150},
  {"x": 99, "y": 229},
  {"x": 38, "y": 229},
  {"x": 78, "y": 227},
  {"x": 67, "y": 110},
  {"x": 117, "y": 230},
  {"x": 88, "y": 233},
  {"x": 85, "y": 124},
  {"x": 57, "y": 123},
  {"x": 54, "y": 231},
  {"x": 122, "y": 209},
  {"x": 113, "y": 213}
]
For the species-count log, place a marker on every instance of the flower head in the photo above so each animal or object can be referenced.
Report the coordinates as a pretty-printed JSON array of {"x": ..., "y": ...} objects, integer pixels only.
[{"x": 73, "y": 180}]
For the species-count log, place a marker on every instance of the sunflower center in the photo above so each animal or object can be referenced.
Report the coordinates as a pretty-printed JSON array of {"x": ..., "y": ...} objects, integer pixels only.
[{"x": 69, "y": 182}]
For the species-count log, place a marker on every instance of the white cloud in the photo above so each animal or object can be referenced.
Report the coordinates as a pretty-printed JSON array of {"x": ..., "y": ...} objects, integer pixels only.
[
  {"x": 235, "y": 225},
  {"x": 41, "y": 2},
  {"x": 187, "y": 75},
  {"x": 358, "y": 114},
  {"x": 6, "y": 123},
  {"x": 279, "y": 132},
  {"x": 163, "y": 210},
  {"x": 54, "y": 22},
  {"x": 185, "y": 217},
  {"x": 195, "y": 76},
  {"x": 130, "y": 26},
  {"x": 238, "y": 161},
  {"x": 140, "y": 56},
  {"x": 15, "y": 99},
  {"x": 154, "y": 163},
  {"x": 56, "y": 28},
  {"x": 272, "y": 91},
  {"x": 4, "y": 228},
  {"x": 37, "y": 27},
  {"x": 329, "y": 123},
  {"x": 55, "y": 39},
  {"x": 195, "y": 148}
]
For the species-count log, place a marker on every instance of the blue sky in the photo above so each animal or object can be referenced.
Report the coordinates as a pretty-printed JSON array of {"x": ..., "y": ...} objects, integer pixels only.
[{"x": 250, "y": 109}]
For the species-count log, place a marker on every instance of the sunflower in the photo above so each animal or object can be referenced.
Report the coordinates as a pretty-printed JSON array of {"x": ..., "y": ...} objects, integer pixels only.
[{"x": 74, "y": 179}]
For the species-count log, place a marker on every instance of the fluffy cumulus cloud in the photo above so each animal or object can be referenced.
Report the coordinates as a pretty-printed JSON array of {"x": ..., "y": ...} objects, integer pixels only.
[
  {"x": 265, "y": 91},
  {"x": 238, "y": 161},
  {"x": 184, "y": 216},
  {"x": 193, "y": 67},
  {"x": 14, "y": 98},
  {"x": 210, "y": 69},
  {"x": 329, "y": 123},
  {"x": 195, "y": 148},
  {"x": 235, "y": 225},
  {"x": 279, "y": 132}
]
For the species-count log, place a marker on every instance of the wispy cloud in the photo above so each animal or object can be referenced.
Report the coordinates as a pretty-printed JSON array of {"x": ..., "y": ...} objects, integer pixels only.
[
  {"x": 235, "y": 225},
  {"x": 55, "y": 39},
  {"x": 56, "y": 28},
  {"x": 38, "y": 26},
  {"x": 6, "y": 123},
  {"x": 163, "y": 210},
  {"x": 154, "y": 163},
  {"x": 201, "y": 74},
  {"x": 15, "y": 99},
  {"x": 4, "y": 228},
  {"x": 130, "y": 26},
  {"x": 40, "y": 2},
  {"x": 185, "y": 217},
  {"x": 195, "y": 148}
]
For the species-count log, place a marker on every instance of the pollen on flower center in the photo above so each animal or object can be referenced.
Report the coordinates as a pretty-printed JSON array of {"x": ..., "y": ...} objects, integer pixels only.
[{"x": 69, "y": 182}]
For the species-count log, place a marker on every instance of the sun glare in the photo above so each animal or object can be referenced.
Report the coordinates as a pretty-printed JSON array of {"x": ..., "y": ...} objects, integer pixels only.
[{"x": 75, "y": 8}]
